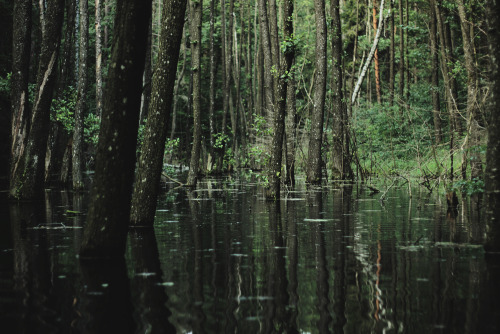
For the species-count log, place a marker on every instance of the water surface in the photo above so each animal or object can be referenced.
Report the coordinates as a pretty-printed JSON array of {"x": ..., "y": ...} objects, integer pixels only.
[{"x": 223, "y": 260}]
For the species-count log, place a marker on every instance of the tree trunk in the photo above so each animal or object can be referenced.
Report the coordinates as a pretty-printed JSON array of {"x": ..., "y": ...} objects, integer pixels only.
[
  {"x": 341, "y": 168},
  {"x": 105, "y": 234},
  {"x": 28, "y": 177},
  {"x": 211, "y": 93},
  {"x": 98, "y": 59},
  {"x": 473, "y": 111},
  {"x": 148, "y": 63},
  {"x": 283, "y": 75},
  {"x": 392, "y": 48},
  {"x": 315, "y": 161},
  {"x": 20, "y": 122},
  {"x": 375, "y": 57},
  {"x": 195, "y": 12},
  {"x": 401, "y": 55},
  {"x": 436, "y": 105},
  {"x": 147, "y": 179},
  {"x": 80, "y": 98},
  {"x": 492, "y": 180}
]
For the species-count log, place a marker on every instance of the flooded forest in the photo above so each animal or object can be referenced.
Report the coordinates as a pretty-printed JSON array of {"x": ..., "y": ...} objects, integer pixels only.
[{"x": 293, "y": 166}]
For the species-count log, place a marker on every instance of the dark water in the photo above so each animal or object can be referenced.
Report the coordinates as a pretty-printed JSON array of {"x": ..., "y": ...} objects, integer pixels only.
[{"x": 223, "y": 260}]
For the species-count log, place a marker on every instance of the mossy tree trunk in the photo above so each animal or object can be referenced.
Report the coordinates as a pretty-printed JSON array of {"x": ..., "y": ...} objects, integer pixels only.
[
  {"x": 147, "y": 179},
  {"x": 108, "y": 216}
]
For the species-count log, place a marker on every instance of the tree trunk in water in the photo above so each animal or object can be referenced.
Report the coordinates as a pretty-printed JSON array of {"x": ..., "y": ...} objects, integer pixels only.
[
  {"x": 473, "y": 117},
  {"x": 436, "y": 105},
  {"x": 80, "y": 98},
  {"x": 108, "y": 216},
  {"x": 341, "y": 168},
  {"x": 492, "y": 180},
  {"x": 375, "y": 57},
  {"x": 98, "y": 59},
  {"x": 291, "y": 130},
  {"x": 20, "y": 122},
  {"x": 211, "y": 93},
  {"x": 147, "y": 179},
  {"x": 195, "y": 12},
  {"x": 28, "y": 178},
  {"x": 401, "y": 55},
  {"x": 315, "y": 161},
  {"x": 283, "y": 75},
  {"x": 392, "y": 49}
]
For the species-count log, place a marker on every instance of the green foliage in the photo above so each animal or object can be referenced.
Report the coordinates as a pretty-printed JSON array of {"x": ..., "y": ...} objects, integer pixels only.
[
  {"x": 468, "y": 187},
  {"x": 5, "y": 84},
  {"x": 63, "y": 109},
  {"x": 91, "y": 129},
  {"x": 171, "y": 145}
]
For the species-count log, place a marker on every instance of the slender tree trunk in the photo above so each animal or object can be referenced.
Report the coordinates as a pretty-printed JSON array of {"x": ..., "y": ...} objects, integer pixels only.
[
  {"x": 473, "y": 111},
  {"x": 148, "y": 63},
  {"x": 28, "y": 178},
  {"x": 375, "y": 57},
  {"x": 436, "y": 105},
  {"x": 401, "y": 54},
  {"x": 283, "y": 75},
  {"x": 77, "y": 158},
  {"x": 291, "y": 130},
  {"x": 20, "y": 122},
  {"x": 340, "y": 143},
  {"x": 108, "y": 216},
  {"x": 315, "y": 161},
  {"x": 178, "y": 83},
  {"x": 195, "y": 12},
  {"x": 98, "y": 59},
  {"x": 407, "y": 57},
  {"x": 392, "y": 48},
  {"x": 211, "y": 107},
  {"x": 147, "y": 179},
  {"x": 492, "y": 180}
]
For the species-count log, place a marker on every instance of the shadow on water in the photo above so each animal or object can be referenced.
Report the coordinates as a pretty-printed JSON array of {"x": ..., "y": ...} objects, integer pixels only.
[{"x": 223, "y": 260}]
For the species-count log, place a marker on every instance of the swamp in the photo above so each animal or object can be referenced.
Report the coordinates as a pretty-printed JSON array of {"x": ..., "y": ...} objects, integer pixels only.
[{"x": 222, "y": 259}]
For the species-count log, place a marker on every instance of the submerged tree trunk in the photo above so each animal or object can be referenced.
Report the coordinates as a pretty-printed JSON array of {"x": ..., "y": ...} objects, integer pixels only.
[
  {"x": 492, "y": 180},
  {"x": 436, "y": 105},
  {"x": 283, "y": 75},
  {"x": 195, "y": 12},
  {"x": 20, "y": 122},
  {"x": 81, "y": 98},
  {"x": 473, "y": 128},
  {"x": 315, "y": 161},
  {"x": 28, "y": 177},
  {"x": 109, "y": 210},
  {"x": 341, "y": 159},
  {"x": 147, "y": 179}
]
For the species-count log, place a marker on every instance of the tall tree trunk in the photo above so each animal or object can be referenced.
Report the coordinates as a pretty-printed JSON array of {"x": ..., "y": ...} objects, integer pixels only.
[
  {"x": 401, "y": 55},
  {"x": 375, "y": 57},
  {"x": 20, "y": 122},
  {"x": 105, "y": 234},
  {"x": 195, "y": 12},
  {"x": 291, "y": 130},
  {"x": 178, "y": 83},
  {"x": 147, "y": 179},
  {"x": 283, "y": 75},
  {"x": 392, "y": 48},
  {"x": 211, "y": 92},
  {"x": 315, "y": 161},
  {"x": 148, "y": 63},
  {"x": 28, "y": 178},
  {"x": 98, "y": 59},
  {"x": 492, "y": 180},
  {"x": 473, "y": 128},
  {"x": 341, "y": 168},
  {"x": 436, "y": 105},
  {"x": 80, "y": 98}
]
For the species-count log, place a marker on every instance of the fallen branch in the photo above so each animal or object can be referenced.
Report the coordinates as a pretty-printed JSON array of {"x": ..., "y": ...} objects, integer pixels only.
[{"x": 173, "y": 180}]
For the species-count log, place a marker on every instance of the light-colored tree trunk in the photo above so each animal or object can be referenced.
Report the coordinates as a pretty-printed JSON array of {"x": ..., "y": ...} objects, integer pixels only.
[
  {"x": 436, "y": 105},
  {"x": 375, "y": 57},
  {"x": 98, "y": 58},
  {"x": 195, "y": 12}
]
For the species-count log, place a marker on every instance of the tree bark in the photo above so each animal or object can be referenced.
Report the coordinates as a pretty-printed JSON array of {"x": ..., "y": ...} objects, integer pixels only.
[
  {"x": 211, "y": 93},
  {"x": 375, "y": 57},
  {"x": 401, "y": 53},
  {"x": 341, "y": 168},
  {"x": 473, "y": 111},
  {"x": 28, "y": 177},
  {"x": 105, "y": 234},
  {"x": 492, "y": 180},
  {"x": 98, "y": 59},
  {"x": 77, "y": 163},
  {"x": 195, "y": 12},
  {"x": 392, "y": 49},
  {"x": 436, "y": 105},
  {"x": 315, "y": 160},
  {"x": 147, "y": 179},
  {"x": 20, "y": 122}
]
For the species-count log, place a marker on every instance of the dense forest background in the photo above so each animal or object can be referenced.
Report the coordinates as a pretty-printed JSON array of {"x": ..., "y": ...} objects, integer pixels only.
[{"x": 370, "y": 91}]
